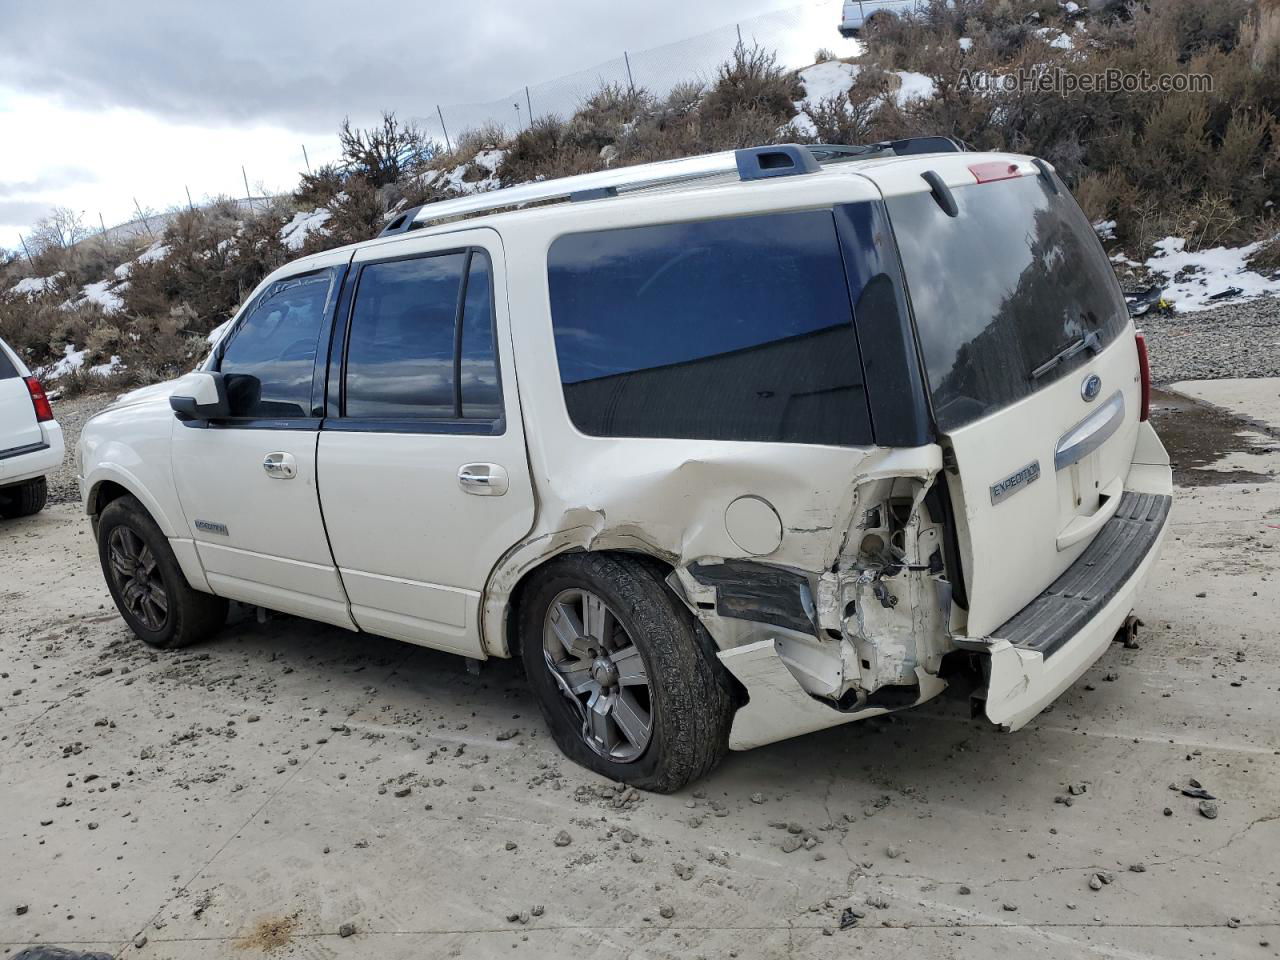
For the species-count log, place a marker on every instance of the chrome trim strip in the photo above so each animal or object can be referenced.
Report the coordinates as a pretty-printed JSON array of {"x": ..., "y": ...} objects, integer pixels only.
[{"x": 1090, "y": 433}]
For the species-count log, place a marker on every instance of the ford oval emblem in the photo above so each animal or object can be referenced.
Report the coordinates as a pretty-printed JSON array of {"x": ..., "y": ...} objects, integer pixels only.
[{"x": 1091, "y": 387}]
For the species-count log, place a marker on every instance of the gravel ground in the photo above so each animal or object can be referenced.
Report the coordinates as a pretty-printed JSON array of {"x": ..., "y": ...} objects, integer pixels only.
[
  {"x": 292, "y": 790},
  {"x": 1235, "y": 340},
  {"x": 72, "y": 414}
]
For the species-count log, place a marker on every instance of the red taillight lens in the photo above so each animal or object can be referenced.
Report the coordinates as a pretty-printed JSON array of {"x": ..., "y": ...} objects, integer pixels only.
[
  {"x": 38, "y": 400},
  {"x": 1144, "y": 369}
]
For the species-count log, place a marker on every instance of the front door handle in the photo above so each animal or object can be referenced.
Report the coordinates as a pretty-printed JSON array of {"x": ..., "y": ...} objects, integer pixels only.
[
  {"x": 483, "y": 479},
  {"x": 280, "y": 466}
]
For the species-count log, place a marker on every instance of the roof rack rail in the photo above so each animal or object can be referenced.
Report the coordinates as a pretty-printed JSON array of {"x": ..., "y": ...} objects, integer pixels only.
[{"x": 751, "y": 163}]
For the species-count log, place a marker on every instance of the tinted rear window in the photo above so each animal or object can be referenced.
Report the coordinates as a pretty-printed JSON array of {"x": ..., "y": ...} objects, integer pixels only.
[
  {"x": 998, "y": 291},
  {"x": 7, "y": 369},
  {"x": 720, "y": 329}
]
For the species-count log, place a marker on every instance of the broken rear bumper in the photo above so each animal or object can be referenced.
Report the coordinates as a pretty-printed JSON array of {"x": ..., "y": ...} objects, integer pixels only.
[{"x": 1045, "y": 648}]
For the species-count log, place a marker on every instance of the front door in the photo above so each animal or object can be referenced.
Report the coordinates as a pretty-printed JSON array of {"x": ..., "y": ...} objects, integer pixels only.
[
  {"x": 248, "y": 484},
  {"x": 424, "y": 479}
]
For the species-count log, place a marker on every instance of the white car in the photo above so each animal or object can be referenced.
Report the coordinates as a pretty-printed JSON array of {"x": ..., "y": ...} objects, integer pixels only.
[
  {"x": 856, "y": 14},
  {"x": 30, "y": 438},
  {"x": 726, "y": 449}
]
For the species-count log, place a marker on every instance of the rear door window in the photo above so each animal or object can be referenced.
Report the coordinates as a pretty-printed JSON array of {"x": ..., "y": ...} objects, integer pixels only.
[
  {"x": 421, "y": 344},
  {"x": 734, "y": 329},
  {"x": 1000, "y": 290}
]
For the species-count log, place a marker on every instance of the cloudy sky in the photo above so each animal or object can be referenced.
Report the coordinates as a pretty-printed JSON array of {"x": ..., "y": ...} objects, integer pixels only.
[{"x": 102, "y": 103}]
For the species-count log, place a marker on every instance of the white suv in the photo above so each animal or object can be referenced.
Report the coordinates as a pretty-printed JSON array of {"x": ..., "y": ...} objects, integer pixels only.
[
  {"x": 727, "y": 449},
  {"x": 30, "y": 438}
]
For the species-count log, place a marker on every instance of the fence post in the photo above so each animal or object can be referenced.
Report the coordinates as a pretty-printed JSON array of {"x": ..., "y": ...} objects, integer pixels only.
[
  {"x": 103, "y": 225},
  {"x": 190, "y": 206},
  {"x": 306, "y": 159},
  {"x": 137, "y": 206},
  {"x": 247, "y": 195},
  {"x": 25, "y": 250},
  {"x": 631, "y": 82},
  {"x": 528, "y": 103},
  {"x": 738, "y": 27},
  {"x": 440, "y": 114}
]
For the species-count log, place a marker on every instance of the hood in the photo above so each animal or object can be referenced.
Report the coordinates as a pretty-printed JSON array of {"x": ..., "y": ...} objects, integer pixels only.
[{"x": 152, "y": 394}]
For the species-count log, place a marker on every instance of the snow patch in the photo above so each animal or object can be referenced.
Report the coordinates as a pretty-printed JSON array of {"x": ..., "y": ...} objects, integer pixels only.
[
  {"x": 72, "y": 359},
  {"x": 1055, "y": 38},
  {"x": 157, "y": 251},
  {"x": 1192, "y": 278},
  {"x": 966, "y": 43},
  {"x": 295, "y": 232},
  {"x": 104, "y": 293},
  {"x": 823, "y": 81},
  {"x": 1105, "y": 229},
  {"x": 915, "y": 86},
  {"x": 34, "y": 286}
]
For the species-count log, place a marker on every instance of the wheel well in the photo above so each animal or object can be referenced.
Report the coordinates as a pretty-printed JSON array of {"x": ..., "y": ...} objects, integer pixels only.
[
  {"x": 660, "y": 569},
  {"x": 103, "y": 494},
  {"x": 512, "y": 627}
]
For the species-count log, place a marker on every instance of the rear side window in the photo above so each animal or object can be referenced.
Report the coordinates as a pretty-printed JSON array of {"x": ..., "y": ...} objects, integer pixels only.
[
  {"x": 1001, "y": 290},
  {"x": 421, "y": 344},
  {"x": 736, "y": 329},
  {"x": 7, "y": 369},
  {"x": 269, "y": 360}
]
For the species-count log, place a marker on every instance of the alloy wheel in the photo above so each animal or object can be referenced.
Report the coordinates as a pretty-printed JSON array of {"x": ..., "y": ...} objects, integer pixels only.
[
  {"x": 602, "y": 673},
  {"x": 137, "y": 577}
]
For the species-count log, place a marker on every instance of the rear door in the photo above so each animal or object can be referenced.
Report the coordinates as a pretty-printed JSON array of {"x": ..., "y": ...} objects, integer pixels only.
[
  {"x": 1033, "y": 375},
  {"x": 424, "y": 477},
  {"x": 18, "y": 426}
]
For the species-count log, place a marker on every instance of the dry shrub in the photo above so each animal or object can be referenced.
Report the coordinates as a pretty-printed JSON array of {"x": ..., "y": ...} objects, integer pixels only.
[{"x": 751, "y": 81}]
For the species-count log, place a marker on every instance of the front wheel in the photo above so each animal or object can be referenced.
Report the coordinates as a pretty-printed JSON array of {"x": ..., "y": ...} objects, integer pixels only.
[
  {"x": 620, "y": 673},
  {"x": 146, "y": 583}
]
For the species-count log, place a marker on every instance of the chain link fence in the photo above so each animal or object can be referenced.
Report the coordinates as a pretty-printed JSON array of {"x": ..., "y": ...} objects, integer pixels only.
[{"x": 795, "y": 33}]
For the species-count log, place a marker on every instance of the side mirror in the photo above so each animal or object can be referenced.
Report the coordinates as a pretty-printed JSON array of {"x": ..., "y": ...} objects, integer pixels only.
[{"x": 201, "y": 396}]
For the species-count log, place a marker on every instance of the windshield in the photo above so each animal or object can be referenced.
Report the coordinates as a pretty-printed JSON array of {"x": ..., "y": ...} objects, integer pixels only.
[{"x": 1008, "y": 297}]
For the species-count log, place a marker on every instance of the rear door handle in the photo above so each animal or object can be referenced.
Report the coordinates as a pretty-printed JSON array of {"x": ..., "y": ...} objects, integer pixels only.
[
  {"x": 280, "y": 466},
  {"x": 483, "y": 479}
]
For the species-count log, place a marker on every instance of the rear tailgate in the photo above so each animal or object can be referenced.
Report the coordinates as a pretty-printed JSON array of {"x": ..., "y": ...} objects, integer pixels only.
[
  {"x": 18, "y": 425},
  {"x": 1033, "y": 373}
]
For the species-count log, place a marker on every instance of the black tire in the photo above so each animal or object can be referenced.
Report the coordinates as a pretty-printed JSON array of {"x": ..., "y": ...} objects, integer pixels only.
[
  {"x": 24, "y": 499},
  {"x": 190, "y": 616},
  {"x": 691, "y": 704}
]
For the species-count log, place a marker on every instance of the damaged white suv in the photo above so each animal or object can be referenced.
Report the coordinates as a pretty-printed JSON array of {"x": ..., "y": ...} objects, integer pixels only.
[{"x": 727, "y": 449}]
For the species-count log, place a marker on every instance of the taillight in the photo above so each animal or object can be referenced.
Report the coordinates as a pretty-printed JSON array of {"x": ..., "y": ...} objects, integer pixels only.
[
  {"x": 38, "y": 399},
  {"x": 1144, "y": 369}
]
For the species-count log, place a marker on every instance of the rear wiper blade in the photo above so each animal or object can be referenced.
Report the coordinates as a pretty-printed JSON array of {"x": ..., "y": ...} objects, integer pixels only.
[{"x": 1090, "y": 341}]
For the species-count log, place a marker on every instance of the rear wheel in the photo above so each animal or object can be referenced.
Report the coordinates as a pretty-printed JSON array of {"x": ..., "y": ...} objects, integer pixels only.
[
  {"x": 620, "y": 673},
  {"x": 147, "y": 584},
  {"x": 24, "y": 499}
]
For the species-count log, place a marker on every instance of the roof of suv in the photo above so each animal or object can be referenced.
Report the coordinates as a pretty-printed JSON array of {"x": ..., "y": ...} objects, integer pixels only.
[{"x": 892, "y": 170}]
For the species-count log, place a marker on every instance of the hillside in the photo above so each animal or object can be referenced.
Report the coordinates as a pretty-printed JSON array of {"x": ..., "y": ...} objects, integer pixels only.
[{"x": 1179, "y": 185}]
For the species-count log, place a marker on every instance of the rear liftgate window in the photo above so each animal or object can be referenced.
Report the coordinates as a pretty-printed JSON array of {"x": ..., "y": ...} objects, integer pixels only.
[
  {"x": 736, "y": 329},
  {"x": 1000, "y": 290}
]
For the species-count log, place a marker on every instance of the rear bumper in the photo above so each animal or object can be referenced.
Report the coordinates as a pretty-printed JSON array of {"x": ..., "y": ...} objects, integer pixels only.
[
  {"x": 1040, "y": 652},
  {"x": 26, "y": 464}
]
